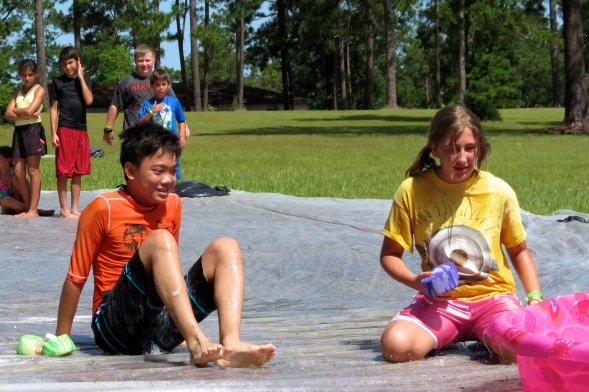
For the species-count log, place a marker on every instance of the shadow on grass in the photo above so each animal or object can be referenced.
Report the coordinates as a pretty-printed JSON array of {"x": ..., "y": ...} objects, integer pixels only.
[
  {"x": 419, "y": 129},
  {"x": 343, "y": 131}
]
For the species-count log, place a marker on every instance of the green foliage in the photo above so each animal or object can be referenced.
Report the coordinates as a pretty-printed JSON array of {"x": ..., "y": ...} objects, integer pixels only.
[
  {"x": 482, "y": 106},
  {"x": 5, "y": 94},
  {"x": 269, "y": 78},
  {"x": 108, "y": 63}
]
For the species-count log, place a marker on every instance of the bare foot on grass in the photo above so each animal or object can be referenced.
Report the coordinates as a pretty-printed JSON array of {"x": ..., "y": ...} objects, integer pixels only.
[{"x": 247, "y": 354}]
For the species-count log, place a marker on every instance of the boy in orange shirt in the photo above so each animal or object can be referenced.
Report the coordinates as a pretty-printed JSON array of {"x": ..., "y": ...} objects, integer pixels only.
[{"x": 129, "y": 237}]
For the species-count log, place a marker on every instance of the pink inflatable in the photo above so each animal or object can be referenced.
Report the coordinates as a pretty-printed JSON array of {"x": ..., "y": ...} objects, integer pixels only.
[{"x": 551, "y": 340}]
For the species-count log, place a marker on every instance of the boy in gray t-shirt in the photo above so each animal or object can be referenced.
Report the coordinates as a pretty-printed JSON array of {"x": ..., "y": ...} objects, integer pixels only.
[{"x": 131, "y": 91}]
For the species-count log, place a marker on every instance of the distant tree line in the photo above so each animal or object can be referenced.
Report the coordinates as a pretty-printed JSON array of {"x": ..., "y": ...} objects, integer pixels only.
[{"x": 338, "y": 54}]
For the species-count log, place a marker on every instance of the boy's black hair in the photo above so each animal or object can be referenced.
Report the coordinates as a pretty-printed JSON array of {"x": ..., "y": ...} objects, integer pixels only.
[
  {"x": 69, "y": 52},
  {"x": 145, "y": 140},
  {"x": 6, "y": 152},
  {"x": 159, "y": 74}
]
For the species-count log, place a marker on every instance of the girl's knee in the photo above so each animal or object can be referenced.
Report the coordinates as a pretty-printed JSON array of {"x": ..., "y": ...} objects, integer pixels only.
[{"x": 401, "y": 345}]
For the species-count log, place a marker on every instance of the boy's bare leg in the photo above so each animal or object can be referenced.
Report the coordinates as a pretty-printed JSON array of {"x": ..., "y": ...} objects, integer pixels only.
[
  {"x": 33, "y": 163},
  {"x": 64, "y": 211},
  {"x": 222, "y": 265},
  {"x": 75, "y": 191},
  {"x": 159, "y": 254}
]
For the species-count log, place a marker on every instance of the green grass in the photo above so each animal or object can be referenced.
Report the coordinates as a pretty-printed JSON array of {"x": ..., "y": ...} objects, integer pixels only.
[{"x": 353, "y": 154}]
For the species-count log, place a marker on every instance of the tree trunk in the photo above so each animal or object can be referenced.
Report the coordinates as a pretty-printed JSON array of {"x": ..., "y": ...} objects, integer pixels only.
[
  {"x": 438, "y": 75},
  {"x": 240, "y": 52},
  {"x": 348, "y": 71},
  {"x": 575, "y": 97},
  {"x": 335, "y": 95},
  {"x": 554, "y": 51},
  {"x": 342, "y": 73},
  {"x": 206, "y": 61},
  {"x": 40, "y": 43},
  {"x": 284, "y": 56},
  {"x": 77, "y": 26},
  {"x": 180, "y": 23},
  {"x": 462, "y": 52},
  {"x": 194, "y": 57},
  {"x": 391, "y": 72},
  {"x": 157, "y": 45},
  {"x": 369, "y": 57}
]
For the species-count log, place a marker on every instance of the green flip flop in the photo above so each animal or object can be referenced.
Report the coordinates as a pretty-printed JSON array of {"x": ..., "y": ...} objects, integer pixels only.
[
  {"x": 59, "y": 346},
  {"x": 30, "y": 345}
]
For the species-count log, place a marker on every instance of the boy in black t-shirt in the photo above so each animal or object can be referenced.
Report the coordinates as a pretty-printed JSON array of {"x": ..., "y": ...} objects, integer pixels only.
[{"x": 70, "y": 94}]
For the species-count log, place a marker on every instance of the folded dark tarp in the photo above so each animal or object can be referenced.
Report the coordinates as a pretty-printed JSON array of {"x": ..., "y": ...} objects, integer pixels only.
[{"x": 199, "y": 189}]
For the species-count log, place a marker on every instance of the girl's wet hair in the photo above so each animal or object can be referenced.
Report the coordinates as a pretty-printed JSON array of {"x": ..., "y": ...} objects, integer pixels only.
[
  {"x": 449, "y": 122},
  {"x": 146, "y": 140},
  {"x": 27, "y": 64},
  {"x": 6, "y": 152}
]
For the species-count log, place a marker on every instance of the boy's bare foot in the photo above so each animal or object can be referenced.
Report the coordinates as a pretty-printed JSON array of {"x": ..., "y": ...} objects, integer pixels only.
[
  {"x": 76, "y": 213},
  {"x": 207, "y": 353},
  {"x": 28, "y": 214},
  {"x": 67, "y": 214},
  {"x": 247, "y": 354}
]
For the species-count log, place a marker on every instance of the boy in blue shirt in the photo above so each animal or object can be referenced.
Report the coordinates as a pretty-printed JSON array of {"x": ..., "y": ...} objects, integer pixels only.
[{"x": 164, "y": 109}]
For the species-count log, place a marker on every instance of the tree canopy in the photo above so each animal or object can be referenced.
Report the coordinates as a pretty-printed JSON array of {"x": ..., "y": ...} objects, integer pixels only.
[{"x": 338, "y": 54}]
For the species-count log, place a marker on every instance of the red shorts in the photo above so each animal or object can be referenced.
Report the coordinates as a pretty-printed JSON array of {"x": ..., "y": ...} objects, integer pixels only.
[
  {"x": 72, "y": 157},
  {"x": 456, "y": 320}
]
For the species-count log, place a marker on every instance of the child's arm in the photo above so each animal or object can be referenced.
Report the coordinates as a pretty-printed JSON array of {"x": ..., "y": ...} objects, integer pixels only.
[
  {"x": 88, "y": 97},
  {"x": 10, "y": 114},
  {"x": 391, "y": 261},
  {"x": 182, "y": 133},
  {"x": 145, "y": 113},
  {"x": 524, "y": 265},
  {"x": 33, "y": 108},
  {"x": 68, "y": 303},
  {"x": 111, "y": 117},
  {"x": 53, "y": 121}
]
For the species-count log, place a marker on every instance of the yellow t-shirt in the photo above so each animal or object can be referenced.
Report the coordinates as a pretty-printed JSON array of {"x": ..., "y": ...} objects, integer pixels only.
[
  {"x": 24, "y": 101},
  {"x": 465, "y": 223}
]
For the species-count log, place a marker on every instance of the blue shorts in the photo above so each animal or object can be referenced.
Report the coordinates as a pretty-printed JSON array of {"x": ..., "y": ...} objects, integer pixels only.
[
  {"x": 132, "y": 317},
  {"x": 454, "y": 320}
]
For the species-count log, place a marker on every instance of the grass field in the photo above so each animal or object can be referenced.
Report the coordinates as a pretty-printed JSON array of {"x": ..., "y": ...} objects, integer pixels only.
[{"x": 353, "y": 154}]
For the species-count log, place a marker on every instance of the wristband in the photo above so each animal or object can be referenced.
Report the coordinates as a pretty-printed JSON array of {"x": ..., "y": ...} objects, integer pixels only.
[
  {"x": 534, "y": 296},
  {"x": 107, "y": 129},
  {"x": 150, "y": 111}
]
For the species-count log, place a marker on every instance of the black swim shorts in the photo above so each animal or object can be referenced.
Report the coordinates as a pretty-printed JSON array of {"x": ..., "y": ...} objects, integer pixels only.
[{"x": 132, "y": 317}]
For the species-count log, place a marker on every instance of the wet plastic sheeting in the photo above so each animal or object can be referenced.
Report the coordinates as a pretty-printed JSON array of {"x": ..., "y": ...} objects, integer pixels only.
[{"x": 314, "y": 288}]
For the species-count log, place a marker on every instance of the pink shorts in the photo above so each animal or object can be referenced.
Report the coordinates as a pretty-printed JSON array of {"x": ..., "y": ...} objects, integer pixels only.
[
  {"x": 456, "y": 320},
  {"x": 72, "y": 157}
]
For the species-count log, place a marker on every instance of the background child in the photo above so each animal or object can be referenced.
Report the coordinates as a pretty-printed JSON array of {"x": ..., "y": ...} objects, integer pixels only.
[
  {"x": 454, "y": 212},
  {"x": 11, "y": 201},
  {"x": 129, "y": 237},
  {"x": 28, "y": 140},
  {"x": 131, "y": 91},
  {"x": 163, "y": 109},
  {"x": 70, "y": 96}
]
